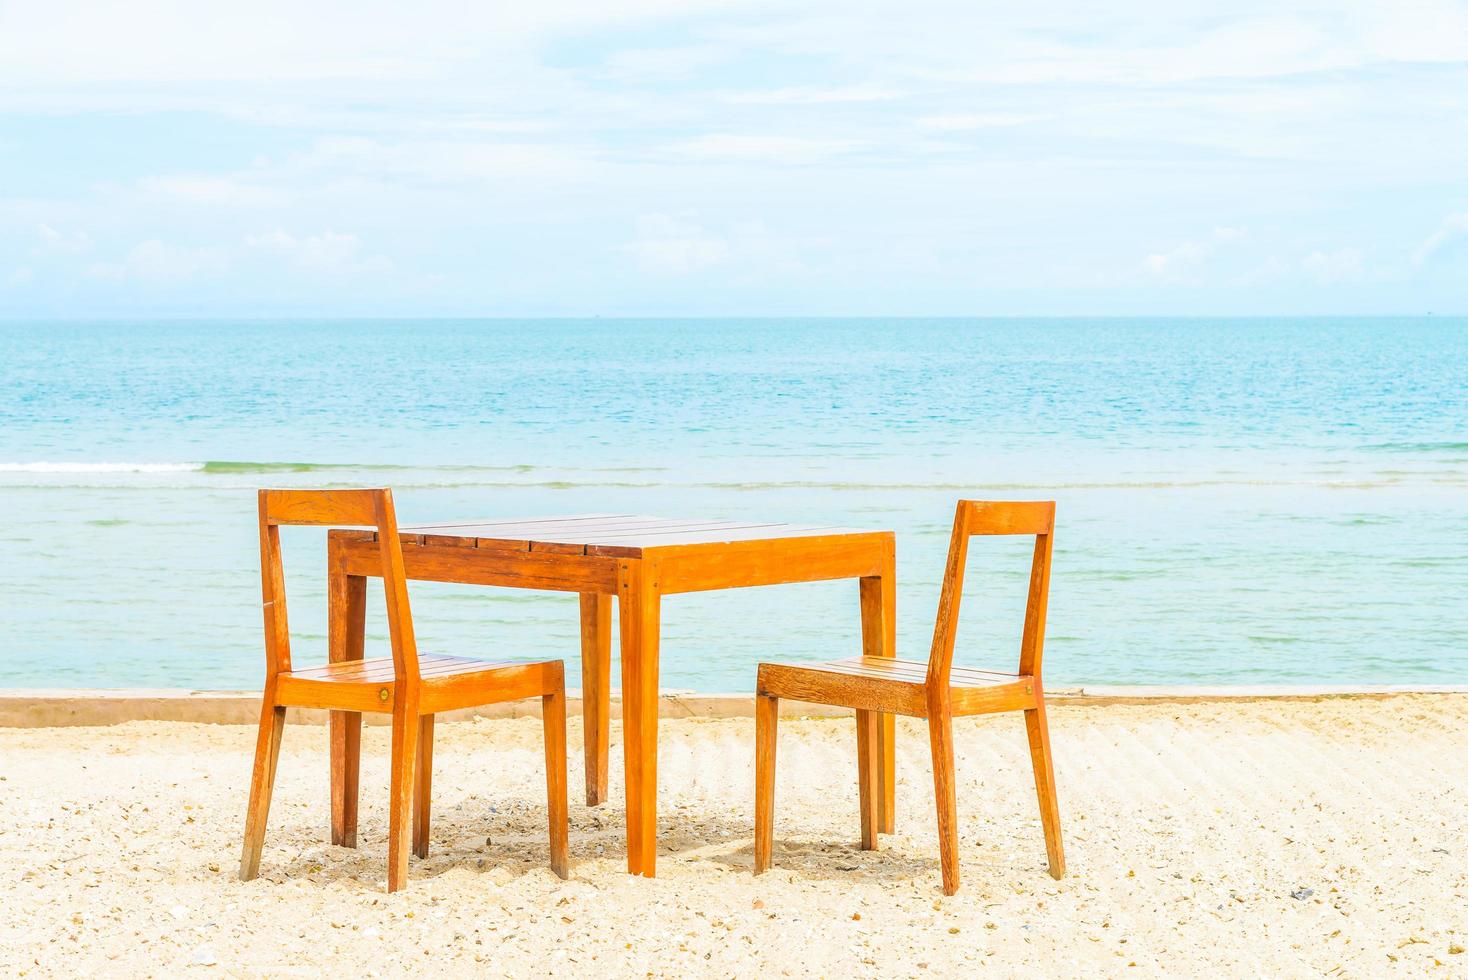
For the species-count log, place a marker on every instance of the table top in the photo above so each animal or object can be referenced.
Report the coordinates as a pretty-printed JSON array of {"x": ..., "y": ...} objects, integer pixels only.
[{"x": 605, "y": 535}]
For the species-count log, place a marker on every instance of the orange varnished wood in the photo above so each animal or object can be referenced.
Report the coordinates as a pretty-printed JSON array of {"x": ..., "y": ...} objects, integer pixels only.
[
  {"x": 639, "y": 606},
  {"x": 596, "y": 679},
  {"x": 410, "y": 687},
  {"x": 423, "y": 791},
  {"x": 347, "y": 610},
  {"x": 320, "y": 507},
  {"x": 766, "y": 728},
  {"x": 879, "y": 639},
  {"x": 894, "y": 686},
  {"x": 553, "y": 722},
  {"x": 866, "y": 776},
  {"x": 448, "y": 683},
  {"x": 489, "y": 566},
  {"x": 936, "y": 690},
  {"x": 803, "y": 558},
  {"x": 639, "y": 560},
  {"x": 614, "y": 536}
]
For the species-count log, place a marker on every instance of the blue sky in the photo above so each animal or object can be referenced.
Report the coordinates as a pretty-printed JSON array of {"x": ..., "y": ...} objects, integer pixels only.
[{"x": 651, "y": 157}]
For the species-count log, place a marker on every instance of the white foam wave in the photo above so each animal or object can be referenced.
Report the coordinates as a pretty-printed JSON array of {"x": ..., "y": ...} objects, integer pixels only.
[{"x": 100, "y": 467}]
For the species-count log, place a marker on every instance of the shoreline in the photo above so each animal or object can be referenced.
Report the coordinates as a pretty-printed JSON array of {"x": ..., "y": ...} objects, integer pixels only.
[{"x": 90, "y": 707}]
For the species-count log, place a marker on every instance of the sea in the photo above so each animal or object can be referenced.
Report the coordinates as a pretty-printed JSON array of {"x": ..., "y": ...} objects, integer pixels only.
[{"x": 1239, "y": 501}]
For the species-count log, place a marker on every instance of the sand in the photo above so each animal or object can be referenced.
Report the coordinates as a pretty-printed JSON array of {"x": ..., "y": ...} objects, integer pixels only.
[{"x": 1293, "y": 838}]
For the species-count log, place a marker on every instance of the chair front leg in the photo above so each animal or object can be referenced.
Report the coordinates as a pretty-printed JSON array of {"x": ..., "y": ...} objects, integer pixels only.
[
  {"x": 1039, "y": 734},
  {"x": 400, "y": 797},
  {"x": 940, "y": 735},
  {"x": 262, "y": 783}
]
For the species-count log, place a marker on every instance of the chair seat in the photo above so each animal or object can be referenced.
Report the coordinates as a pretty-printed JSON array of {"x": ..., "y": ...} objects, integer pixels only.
[
  {"x": 446, "y": 683},
  {"x": 895, "y": 686}
]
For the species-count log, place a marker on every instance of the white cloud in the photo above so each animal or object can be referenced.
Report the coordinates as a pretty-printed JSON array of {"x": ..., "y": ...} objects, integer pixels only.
[
  {"x": 78, "y": 42},
  {"x": 209, "y": 190},
  {"x": 744, "y": 251},
  {"x": 329, "y": 255},
  {"x": 1184, "y": 263},
  {"x": 158, "y": 262},
  {"x": 1336, "y": 266},
  {"x": 330, "y": 252},
  {"x": 439, "y": 159},
  {"x": 1177, "y": 262},
  {"x": 19, "y": 277},
  {"x": 674, "y": 247},
  {"x": 769, "y": 149},
  {"x": 813, "y": 96},
  {"x": 53, "y": 242},
  {"x": 979, "y": 120},
  {"x": 664, "y": 64},
  {"x": 1453, "y": 229}
]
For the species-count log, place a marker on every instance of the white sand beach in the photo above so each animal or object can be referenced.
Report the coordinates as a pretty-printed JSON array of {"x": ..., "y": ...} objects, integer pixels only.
[{"x": 1243, "y": 838}]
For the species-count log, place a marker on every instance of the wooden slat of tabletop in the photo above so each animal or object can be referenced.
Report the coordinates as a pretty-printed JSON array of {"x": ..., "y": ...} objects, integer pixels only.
[
  {"x": 580, "y": 539},
  {"x": 520, "y": 537},
  {"x": 522, "y": 530},
  {"x": 507, "y": 521},
  {"x": 633, "y": 545},
  {"x": 514, "y": 534},
  {"x": 602, "y": 535}
]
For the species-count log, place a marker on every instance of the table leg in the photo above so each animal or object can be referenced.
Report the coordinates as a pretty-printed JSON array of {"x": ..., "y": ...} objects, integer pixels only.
[
  {"x": 879, "y": 639},
  {"x": 346, "y": 615},
  {"x": 639, "y": 608},
  {"x": 596, "y": 690}
]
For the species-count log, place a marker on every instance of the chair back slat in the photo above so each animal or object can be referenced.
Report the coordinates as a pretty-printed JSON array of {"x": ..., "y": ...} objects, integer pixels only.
[
  {"x": 994, "y": 517},
  {"x": 1007, "y": 516},
  {"x": 349, "y": 508},
  {"x": 342, "y": 508}
]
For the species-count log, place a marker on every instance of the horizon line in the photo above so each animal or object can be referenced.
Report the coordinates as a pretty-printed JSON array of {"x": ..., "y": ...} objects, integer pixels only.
[{"x": 296, "y": 317}]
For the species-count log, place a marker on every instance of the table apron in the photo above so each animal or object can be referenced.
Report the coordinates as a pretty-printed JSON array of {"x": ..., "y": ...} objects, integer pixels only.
[
  {"x": 727, "y": 567},
  {"x": 743, "y": 564},
  {"x": 482, "y": 566}
]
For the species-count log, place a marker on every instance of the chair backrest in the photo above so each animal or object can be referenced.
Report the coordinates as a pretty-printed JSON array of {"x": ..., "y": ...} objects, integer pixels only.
[
  {"x": 995, "y": 517},
  {"x": 339, "y": 508}
]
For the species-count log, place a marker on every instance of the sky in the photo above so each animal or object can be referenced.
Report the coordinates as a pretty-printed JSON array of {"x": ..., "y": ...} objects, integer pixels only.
[{"x": 681, "y": 157}]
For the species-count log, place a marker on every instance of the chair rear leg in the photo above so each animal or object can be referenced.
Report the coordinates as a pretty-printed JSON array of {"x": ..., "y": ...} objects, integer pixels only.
[
  {"x": 400, "y": 798},
  {"x": 346, "y": 767},
  {"x": 868, "y": 781},
  {"x": 766, "y": 728},
  {"x": 1039, "y": 734},
  {"x": 423, "y": 790},
  {"x": 262, "y": 782},
  {"x": 553, "y": 717},
  {"x": 940, "y": 734}
]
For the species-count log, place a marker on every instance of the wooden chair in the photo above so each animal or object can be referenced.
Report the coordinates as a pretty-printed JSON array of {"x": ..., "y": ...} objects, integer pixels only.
[
  {"x": 936, "y": 691},
  {"x": 410, "y": 688}
]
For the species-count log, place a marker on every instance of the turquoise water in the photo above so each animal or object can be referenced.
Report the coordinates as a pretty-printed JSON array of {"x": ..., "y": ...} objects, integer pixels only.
[{"x": 1238, "y": 501}]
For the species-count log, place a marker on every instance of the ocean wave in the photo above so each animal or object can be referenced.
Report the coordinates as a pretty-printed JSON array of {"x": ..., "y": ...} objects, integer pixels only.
[
  {"x": 226, "y": 466},
  {"x": 1418, "y": 447},
  {"x": 251, "y": 466},
  {"x": 101, "y": 467},
  {"x": 247, "y": 466}
]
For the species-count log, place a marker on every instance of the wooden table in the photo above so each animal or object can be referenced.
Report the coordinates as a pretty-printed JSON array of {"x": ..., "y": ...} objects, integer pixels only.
[{"x": 638, "y": 560}]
